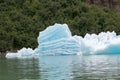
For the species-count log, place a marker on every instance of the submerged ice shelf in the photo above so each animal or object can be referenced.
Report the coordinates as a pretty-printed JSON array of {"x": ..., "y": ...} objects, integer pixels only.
[{"x": 57, "y": 40}]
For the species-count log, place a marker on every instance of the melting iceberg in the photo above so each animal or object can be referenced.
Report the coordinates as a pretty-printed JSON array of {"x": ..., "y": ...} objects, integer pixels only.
[{"x": 57, "y": 40}]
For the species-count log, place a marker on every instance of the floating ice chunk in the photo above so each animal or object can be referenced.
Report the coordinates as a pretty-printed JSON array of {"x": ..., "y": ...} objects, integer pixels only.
[{"x": 23, "y": 53}]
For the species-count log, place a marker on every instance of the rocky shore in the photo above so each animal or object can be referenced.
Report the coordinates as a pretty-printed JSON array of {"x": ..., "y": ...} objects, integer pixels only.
[{"x": 114, "y": 4}]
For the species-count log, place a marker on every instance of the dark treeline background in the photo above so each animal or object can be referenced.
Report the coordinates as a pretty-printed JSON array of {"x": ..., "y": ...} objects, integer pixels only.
[{"x": 22, "y": 20}]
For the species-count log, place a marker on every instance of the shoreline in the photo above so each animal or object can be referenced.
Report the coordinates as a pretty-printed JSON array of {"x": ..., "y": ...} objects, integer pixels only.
[{"x": 3, "y": 54}]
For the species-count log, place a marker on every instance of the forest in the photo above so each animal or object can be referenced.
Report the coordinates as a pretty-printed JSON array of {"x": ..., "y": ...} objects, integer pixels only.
[{"x": 22, "y": 20}]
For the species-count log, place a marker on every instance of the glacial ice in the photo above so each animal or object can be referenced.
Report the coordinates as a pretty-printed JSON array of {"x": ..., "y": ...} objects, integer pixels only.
[{"x": 58, "y": 40}]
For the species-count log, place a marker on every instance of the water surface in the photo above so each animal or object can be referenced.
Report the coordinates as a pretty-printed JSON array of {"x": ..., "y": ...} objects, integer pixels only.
[{"x": 92, "y": 67}]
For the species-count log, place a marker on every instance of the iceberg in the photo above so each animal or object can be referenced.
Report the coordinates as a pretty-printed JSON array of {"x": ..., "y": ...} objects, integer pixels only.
[{"x": 58, "y": 40}]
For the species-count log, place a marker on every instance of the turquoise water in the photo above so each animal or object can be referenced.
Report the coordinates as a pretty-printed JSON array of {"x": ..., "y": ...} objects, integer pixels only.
[{"x": 92, "y": 67}]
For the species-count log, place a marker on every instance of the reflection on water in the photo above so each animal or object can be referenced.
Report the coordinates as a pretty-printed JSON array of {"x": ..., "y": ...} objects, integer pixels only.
[
  {"x": 100, "y": 67},
  {"x": 19, "y": 69},
  {"x": 93, "y": 67}
]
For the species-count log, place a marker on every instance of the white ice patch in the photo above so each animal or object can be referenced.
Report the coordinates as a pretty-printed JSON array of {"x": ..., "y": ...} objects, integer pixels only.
[{"x": 23, "y": 53}]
